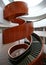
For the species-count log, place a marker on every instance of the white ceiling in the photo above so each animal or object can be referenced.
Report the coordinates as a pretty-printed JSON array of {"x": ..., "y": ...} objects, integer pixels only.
[{"x": 42, "y": 4}]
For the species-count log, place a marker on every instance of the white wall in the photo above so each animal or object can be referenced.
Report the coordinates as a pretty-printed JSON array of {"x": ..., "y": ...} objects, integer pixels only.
[{"x": 2, "y": 18}]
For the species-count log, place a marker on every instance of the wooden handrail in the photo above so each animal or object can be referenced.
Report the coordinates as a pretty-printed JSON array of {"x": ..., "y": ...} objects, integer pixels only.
[{"x": 11, "y": 12}]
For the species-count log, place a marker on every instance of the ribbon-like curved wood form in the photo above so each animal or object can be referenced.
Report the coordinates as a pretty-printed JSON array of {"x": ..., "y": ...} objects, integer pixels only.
[{"x": 11, "y": 12}]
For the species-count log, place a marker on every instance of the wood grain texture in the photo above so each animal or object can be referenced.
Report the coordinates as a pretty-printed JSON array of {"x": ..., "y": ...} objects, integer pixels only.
[
  {"x": 15, "y": 9},
  {"x": 11, "y": 12}
]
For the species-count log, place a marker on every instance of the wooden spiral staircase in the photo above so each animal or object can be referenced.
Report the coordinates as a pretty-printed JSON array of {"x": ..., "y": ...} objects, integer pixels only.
[{"x": 10, "y": 13}]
